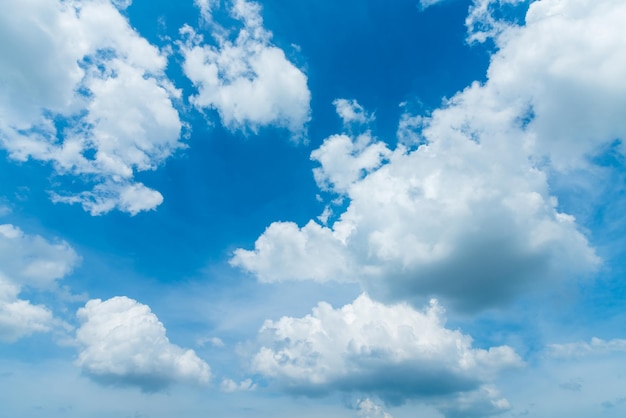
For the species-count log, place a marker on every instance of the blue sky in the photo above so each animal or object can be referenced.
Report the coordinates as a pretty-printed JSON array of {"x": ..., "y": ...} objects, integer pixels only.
[{"x": 261, "y": 209}]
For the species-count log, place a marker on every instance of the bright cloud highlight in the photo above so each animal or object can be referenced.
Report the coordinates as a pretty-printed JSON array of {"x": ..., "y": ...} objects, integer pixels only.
[
  {"x": 123, "y": 343},
  {"x": 92, "y": 100},
  {"x": 392, "y": 351},
  {"x": 247, "y": 80},
  {"x": 29, "y": 261}
]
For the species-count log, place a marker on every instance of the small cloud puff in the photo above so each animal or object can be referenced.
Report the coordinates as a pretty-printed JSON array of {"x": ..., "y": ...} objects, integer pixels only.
[
  {"x": 369, "y": 409},
  {"x": 350, "y": 111}
]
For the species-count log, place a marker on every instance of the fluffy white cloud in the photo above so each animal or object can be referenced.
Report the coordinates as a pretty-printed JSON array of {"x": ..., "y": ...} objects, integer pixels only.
[
  {"x": 286, "y": 252},
  {"x": 206, "y": 8},
  {"x": 394, "y": 352},
  {"x": 33, "y": 262},
  {"x": 123, "y": 343},
  {"x": 350, "y": 111},
  {"x": 345, "y": 160},
  {"x": 469, "y": 216},
  {"x": 83, "y": 91},
  {"x": 482, "y": 24},
  {"x": 471, "y": 222},
  {"x": 565, "y": 66},
  {"x": 247, "y": 80}
]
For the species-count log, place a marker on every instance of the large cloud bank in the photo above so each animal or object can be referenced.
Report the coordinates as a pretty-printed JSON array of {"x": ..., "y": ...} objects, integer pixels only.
[{"x": 463, "y": 209}]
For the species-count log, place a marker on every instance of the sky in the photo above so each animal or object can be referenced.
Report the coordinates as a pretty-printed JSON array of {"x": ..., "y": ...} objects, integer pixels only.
[{"x": 355, "y": 209}]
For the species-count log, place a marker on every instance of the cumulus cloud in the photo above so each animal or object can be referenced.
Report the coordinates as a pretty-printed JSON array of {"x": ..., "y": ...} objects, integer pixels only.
[
  {"x": 86, "y": 93},
  {"x": 471, "y": 222},
  {"x": 469, "y": 215},
  {"x": 247, "y": 80},
  {"x": 286, "y": 252},
  {"x": 571, "y": 84},
  {"x": 28, "y": 261},
  {"x": 123, "y": 343},
  {"x": 394, "y": 352}
]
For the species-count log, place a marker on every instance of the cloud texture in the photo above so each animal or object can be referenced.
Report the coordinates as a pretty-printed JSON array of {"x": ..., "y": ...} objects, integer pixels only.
[
  {"x": 247, "y": 80},
  {"x": 391, "y": 351},
  {"x": 123, "y": 343},
  {"x": 28, "y": 262},
  {"x": 463, "y": 209},
  {"x": 86, "y": 93}
]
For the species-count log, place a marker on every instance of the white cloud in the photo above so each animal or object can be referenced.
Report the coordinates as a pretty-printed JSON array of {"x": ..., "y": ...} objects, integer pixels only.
[
  {"x": 123, "y": 343},
  {"x": 206, "y": 8},
  {"x": 408, "y": 129},
  {"x": 469, "y": 216},
  {"x": 581, "y": 348},
  {"x": 344, "y": 160},
  {"x": 247, "y": 80},
  {"x": 214, "y": 341},
  {"x": 230, "y": 386},
  {"x": 28, "y": 261},
  {"x": 20, "y": 318},
  {"x": 4, "y": 210},
  {"x": 482, "y": 24},
  {"x": 395, "y": 352},
  {"x": 122, "y": 4},
  {"x": 92, "y": 100},
  {"x": 350, "y": 111},
  {"x": 571, "y": 83},
  {"x": 127, "y": 197},
  {"x": 484, "y": 402},
  {"x": 286, "y": 252},
  {"x": 369, "y": 409},
  {"x": 427, "y": 3}
]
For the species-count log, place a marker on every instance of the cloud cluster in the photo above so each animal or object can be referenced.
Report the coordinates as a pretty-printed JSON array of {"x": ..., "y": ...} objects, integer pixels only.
[
  {"x": 394, "y": 352},
  {"x": 123, "y": 343},
  {"x": 469, "y": 216},
  {"x": 85, "y": 92},
  {"x": 247, "y": 80},
  {"x": 28, "y": 261},
  {"x": 457, "y": 219}
]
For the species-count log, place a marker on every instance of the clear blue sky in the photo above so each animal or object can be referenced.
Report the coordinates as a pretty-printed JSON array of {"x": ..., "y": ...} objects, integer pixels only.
[{"x": 348, "y": 209}]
